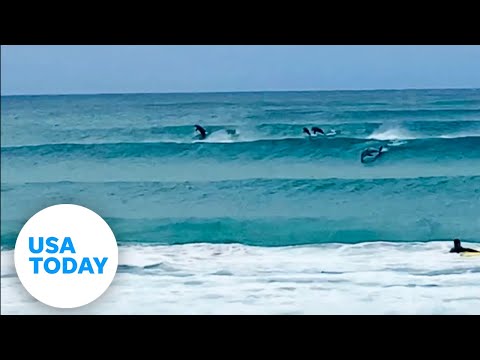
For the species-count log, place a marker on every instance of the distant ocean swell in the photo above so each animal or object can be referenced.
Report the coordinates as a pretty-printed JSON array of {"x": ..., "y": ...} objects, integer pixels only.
[
  {"x": 249, "y": 131},
  {"x": 361, "y": 115}
]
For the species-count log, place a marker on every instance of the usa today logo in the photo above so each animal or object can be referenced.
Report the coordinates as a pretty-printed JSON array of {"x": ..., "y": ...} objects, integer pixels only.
[{"x": 66, "y": 256}]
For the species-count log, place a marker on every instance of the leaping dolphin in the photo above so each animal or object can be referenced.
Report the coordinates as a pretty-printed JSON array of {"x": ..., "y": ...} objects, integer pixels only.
[
  {"x": 371, "y": 152},
  {"x": 316, "y": 130},
  {"x": 202, "y": 131}
]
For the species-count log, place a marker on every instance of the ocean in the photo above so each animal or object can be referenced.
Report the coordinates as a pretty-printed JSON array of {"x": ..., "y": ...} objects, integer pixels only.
[{"x": 267, "y": 220}]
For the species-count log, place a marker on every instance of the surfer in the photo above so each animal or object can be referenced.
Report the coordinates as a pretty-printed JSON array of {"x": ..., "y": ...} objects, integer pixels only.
[
  {"x": 371, "y": 152},
  {"x": 306, "y": 131},
  {"x": 202, "y": 131},
  {"x": 457, "y": 248}
]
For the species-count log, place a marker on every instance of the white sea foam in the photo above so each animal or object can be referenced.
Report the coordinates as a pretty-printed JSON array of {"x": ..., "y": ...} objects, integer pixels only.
[
  {"x": 391, "y": 133},
  {"x": 462, "y": 134},
  {"x": 370, "y": 278}
]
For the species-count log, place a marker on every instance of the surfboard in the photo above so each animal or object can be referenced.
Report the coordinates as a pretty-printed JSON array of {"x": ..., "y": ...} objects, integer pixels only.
[{"x": 470, "y": 254}]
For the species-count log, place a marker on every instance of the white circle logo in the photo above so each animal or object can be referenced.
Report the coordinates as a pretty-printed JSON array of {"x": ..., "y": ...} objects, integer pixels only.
[{"x": 66, "y": 256}]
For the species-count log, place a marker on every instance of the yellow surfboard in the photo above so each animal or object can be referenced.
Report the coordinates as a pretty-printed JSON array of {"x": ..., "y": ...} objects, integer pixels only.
[{"x": 470, "y": 254}]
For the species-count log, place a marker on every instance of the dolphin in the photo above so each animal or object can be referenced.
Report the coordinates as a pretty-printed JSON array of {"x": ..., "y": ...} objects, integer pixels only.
[{"x": 370, "y": 152}]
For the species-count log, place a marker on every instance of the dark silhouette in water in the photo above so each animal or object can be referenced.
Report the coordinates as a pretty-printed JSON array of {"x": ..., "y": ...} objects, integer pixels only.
[
  {"x": 457, "y": 248},
  {"x": 202, "y": 131},
  {"x": 316, "y": 130},
  {"x": 306, "y": 131},
  {"x": 371, "y": 152}
]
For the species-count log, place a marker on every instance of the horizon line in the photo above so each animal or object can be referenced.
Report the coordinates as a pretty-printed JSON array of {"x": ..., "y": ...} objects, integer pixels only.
[{"x": 235, "y": 91}]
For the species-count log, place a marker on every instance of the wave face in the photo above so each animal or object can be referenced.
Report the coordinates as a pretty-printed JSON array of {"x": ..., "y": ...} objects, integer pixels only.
[
  {"x": 266, "y": 212},
  {"x": 299, "y": 150},
  {"x": 137, "y": 160}
]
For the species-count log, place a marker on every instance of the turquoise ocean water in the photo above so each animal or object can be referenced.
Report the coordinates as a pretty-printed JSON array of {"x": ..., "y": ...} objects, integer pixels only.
[{"x": 269, "y": 188}]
